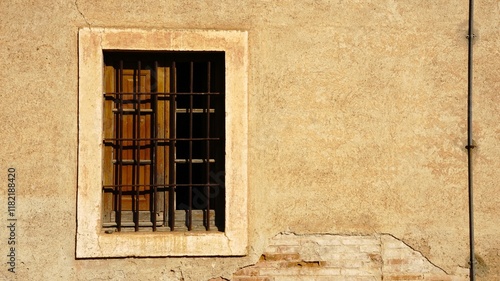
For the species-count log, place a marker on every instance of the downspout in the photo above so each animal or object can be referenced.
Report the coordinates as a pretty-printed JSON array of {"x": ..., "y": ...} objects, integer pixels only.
[{"x": 470, "y": 144}]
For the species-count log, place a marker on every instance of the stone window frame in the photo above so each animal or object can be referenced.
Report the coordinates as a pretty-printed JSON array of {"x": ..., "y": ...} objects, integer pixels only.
[{"x": 91, "y": 239}]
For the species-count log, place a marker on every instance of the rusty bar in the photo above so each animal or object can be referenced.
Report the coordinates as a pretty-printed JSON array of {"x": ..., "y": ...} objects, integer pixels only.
[
  {"x": 154, "y": 93},
  {"x": 120, "y": 150},
  {"x": 165, "y": 158},
  {"x": 172, "y": 154},
  {"x": 159, "y": 139},
  {"x": 137, "y": 148},
  {"x": 159, "y": 184},
  {"x": 207, "y": 187},
  {"x": 190, "y": 163},
  {"x": 153, "y": 168}
]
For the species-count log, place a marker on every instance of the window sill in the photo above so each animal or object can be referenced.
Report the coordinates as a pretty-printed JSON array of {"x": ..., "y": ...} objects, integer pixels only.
[{"x": 139, "y": 244}]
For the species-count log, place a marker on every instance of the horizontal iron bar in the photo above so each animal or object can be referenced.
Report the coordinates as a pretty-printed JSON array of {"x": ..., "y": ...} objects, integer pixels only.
[
  {"x": 147, "y": 161},
  {"x": 149, "y": 110},
  {"x": 195, "y": 161},
  {"x": 161, "y": 93},
  {"x": 159, "y": 139},
  {"x": 162, "y": 185}
]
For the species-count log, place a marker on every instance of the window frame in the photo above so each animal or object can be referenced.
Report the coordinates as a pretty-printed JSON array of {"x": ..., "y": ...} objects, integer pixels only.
[{"x": 91, "y": 238}]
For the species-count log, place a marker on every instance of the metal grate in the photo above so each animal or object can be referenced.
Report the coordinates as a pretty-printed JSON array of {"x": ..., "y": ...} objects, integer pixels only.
[{"x": 163, "y": 159}]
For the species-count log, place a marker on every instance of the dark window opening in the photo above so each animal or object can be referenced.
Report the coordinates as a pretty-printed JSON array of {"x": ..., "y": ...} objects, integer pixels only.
[{"x": 163, "y": 136}]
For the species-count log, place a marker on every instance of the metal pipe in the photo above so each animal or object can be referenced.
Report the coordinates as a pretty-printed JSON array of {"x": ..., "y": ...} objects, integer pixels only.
[{"x": 470, "y": 144}]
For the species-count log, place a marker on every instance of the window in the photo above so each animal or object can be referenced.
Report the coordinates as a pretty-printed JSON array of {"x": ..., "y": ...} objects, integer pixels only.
[
  {"x": 162, "y": 143},
  {"x": 163, "y": 162}
]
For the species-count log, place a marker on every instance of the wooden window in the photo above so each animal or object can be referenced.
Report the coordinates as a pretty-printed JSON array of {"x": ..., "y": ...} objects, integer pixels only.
[{"x": 163, "y": 139}]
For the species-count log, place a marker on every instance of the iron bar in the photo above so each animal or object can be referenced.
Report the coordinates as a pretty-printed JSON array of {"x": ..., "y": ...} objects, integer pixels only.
[
  {"x": 120, "y": 149},
  {"x": 165, "y": 156},
  {"x": 190, "y": 163},
  {"x": 162, "y": 93},
  {"x": 172, "y": 151},
  {"x": 159, "y": 139},
  {"x": 153, "y": 168},
  {"x": 166, "y": 185},
  {"x": 207, "y": 187},
  {"x": 137, "y": 147}
]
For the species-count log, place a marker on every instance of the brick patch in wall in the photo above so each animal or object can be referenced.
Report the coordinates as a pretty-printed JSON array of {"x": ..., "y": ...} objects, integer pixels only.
[{"x": 327, "y": 257}]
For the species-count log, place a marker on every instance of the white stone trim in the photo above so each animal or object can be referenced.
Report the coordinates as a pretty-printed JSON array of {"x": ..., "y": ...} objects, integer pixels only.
[{"x": 91, "y": 239}]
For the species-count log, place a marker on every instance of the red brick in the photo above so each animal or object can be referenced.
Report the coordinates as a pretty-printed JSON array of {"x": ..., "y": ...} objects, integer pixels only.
[{"x": 397, "y": 261}]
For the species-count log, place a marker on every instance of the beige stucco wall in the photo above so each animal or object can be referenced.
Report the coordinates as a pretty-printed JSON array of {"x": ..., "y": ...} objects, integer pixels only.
[{"x": 357, "y": 125}]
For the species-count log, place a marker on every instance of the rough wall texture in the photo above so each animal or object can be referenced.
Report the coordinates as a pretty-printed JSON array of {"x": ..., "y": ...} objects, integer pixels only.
[{"x": 357, "y": 125}]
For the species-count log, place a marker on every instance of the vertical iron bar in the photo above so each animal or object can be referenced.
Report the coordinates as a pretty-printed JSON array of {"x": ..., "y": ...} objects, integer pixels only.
[
  {"x": 120, "y": 149},
  {"x": 207, "y": 188},
  {"x": 134, "y": 149},
  {"x": 137, "y": 146},
  {"x": 153, "y": 167},
  {"x": 470, "y": 144},
  {"x": 172, "y": 154},
  {"x": 166, "y": 128},
  {"x": 190, "y": 197}
]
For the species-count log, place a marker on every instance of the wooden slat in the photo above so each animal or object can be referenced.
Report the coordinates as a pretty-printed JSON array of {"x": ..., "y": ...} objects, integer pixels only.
[
  {"x": 108, "y": 132},
  {"x": 163, "y": 132}
]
